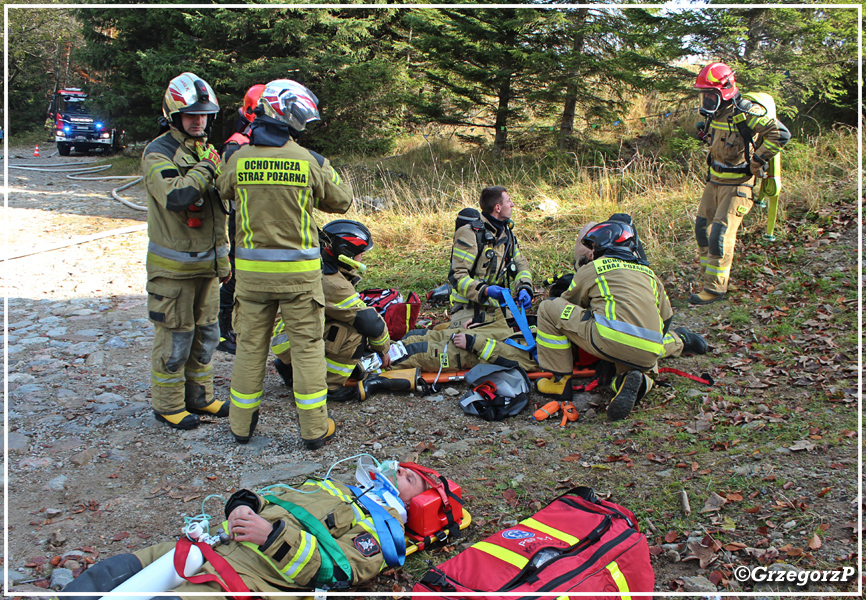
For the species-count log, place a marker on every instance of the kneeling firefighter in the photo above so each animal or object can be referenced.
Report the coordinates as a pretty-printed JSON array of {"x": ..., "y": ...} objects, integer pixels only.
[
  {"x": 350, "y": 325},
  {"x": 615, "y": 308}
]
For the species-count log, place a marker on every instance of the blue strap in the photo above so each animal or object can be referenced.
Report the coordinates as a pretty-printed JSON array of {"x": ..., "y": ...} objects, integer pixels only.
[
  {"x": 523, "y": 324},
  {"x": 391, "y": 537}
]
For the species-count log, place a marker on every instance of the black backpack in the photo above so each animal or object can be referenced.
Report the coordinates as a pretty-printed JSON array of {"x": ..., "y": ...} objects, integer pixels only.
[{"x": 472, "y": 217}]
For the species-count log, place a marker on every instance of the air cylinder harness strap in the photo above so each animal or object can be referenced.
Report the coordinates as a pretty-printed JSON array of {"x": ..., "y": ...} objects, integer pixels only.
[{"x": 391, "y": 537}]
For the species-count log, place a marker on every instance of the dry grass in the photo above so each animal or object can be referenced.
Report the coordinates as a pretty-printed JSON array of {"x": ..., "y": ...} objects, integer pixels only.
[{"x": 555, "y": 193}]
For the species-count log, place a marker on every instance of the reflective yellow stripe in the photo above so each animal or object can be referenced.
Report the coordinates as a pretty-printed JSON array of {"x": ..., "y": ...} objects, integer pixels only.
[
  {"x": 205, "y": 373},
  {"x": 244, "y": 219},
  {"x": 354, "y": 300},
  {"x": 554, "y": 342},
  {"x": 620, "y": 581},
  {"x": 262, "y": 266},
  {"x": 246, "y": 401},
  {"x": 301, "y": 557},
  {"x": 554, "y": 533},
  {"x": 629, "y": 340},
  {"x": 178, "y": 266},
  {"x": 718, "y": 175},
  {"x": 381, "y": 340},
  {"x": 488, "y": 349},
  {"x": 464, "y": 255},
  {"x": 338, "y": 368},
  {"x": 502, "y": 554},
  {"x": 310, "y": 401}
]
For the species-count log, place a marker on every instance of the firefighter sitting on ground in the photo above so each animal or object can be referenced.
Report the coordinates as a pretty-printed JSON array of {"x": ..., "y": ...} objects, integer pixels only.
[
  {"x": 615, "y": 308},
  {"x": 485, "y": 260},
  {"x": 321, "y": 535},
  {"x": 187, "y": 252},
  {"x": 743, "y": 139},
  {"x": 350, "y": 325}
]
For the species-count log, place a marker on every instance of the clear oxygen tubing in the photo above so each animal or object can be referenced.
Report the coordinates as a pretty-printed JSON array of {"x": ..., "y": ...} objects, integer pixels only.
[{"x": 76, "y": 172}]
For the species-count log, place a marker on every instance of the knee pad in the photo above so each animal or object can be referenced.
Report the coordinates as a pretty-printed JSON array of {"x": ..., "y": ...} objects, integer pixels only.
[
  {"x": 181, "y": 345},
  {"x": 210, "y": 337},
  {"x": 717, "y": 241},
  {"x": 105, "y": 575},
  {"x": 701, "y": 231}
]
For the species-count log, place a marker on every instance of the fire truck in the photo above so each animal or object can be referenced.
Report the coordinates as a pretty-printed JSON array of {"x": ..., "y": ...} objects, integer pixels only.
[{"x": 77, "y": 128}]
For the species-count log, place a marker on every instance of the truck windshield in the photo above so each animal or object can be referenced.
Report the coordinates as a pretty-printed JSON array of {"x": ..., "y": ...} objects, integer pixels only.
[{"x": 75, "y": 108}]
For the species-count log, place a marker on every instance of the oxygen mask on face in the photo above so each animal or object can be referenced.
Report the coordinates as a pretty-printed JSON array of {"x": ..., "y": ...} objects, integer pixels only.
[
  {"x": 382, "y": 478},
  {"x": 710, "y": 103}
]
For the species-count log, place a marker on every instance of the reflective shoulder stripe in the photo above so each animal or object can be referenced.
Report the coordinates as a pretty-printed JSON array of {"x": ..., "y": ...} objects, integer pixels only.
[
  {"x": 503, "y": 554},
  {"x": 620, "y": 581},
  {"x": 555, "y": 533}
]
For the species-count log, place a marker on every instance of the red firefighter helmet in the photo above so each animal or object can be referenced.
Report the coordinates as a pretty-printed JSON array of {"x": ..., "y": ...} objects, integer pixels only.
[
  {"x": 718, "y": 77},
  {"x": 251, "y": 100}
]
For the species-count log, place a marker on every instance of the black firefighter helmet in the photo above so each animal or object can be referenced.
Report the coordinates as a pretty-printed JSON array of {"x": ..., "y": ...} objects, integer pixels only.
[
  {"x": 342, "y": 241},
  {"x": 613, "y": 239}
]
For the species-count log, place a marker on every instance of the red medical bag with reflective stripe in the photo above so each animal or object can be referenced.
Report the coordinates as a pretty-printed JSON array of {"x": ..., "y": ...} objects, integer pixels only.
[
  {"x": 399, "y": 314},
  {"x": 577, "y": 543}
]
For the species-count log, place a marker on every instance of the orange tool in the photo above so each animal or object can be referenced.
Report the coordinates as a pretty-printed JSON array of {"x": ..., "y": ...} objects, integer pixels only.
[
  {"x": 545, "y": 411},
  {"x": 569, "y": 413}
]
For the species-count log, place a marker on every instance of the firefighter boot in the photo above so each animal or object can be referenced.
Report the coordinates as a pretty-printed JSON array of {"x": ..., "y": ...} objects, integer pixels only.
[
  {"x": 178, "y": 420},
  {"x": 706, "y": 297},
  {"x": 344, "y": 394},
  {"x": 284, "y": 371},
  {"x": 558, "y": 386},
  {"x": 403, "y": 380},
  {"x": 105, "y": 575},
  {"x": 693, "y": 343},
  {"x": 320, "y": 441},
  {"x": 629, "y": 391},
  {"x": 228, "y": 341},
  {"x": 196, "y": 402}
]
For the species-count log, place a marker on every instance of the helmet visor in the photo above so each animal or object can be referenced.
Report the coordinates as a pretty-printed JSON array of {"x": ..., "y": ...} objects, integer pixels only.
[{"x": 710, "y": 102}]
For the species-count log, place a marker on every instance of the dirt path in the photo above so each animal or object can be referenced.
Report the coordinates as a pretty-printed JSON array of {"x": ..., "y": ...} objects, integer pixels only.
[{"x": 92, "y": 474}]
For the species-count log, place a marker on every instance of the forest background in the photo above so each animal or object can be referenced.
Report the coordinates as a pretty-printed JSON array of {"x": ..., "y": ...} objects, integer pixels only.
[{"x": 581, "y": 111}]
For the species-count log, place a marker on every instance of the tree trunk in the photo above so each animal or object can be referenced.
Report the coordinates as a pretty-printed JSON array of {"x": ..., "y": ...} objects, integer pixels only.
[
  {"x": 503, "y": 93},
  {"x": 566, "y": 127}
]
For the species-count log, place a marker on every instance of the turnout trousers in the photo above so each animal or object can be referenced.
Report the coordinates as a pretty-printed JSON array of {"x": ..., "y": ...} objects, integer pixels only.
[
  {"x": 184, "y": 315},
  {"x": 253, "y": 323},
  {"x": 344, "y": 347},
  {"x": 720, "y": 214},
  {"x": 558, "y": 333}
]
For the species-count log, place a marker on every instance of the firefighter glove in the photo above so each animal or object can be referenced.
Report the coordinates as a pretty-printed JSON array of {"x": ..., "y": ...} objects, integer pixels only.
[
  {"x": 759, "y": 169},
  {"x": 525, "y": 299},
  {"x": 496, "y": 292},
  {"x": 207, "y": 153}
]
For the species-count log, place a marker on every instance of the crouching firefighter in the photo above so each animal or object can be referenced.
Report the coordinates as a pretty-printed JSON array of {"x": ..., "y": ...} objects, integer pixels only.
[
  {"x": 351, "y": 327},
  {"x": 324, "y": 534},
  {"x": 616, "y": 309},
  {"x": 187, "y": 255}
]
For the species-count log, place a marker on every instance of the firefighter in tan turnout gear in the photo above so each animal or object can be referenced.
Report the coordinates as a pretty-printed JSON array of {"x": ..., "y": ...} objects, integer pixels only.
[
  {"x": 743, "y": 139},
  {"x": 615, "y": 308},
  {"x": 319, "y": 535},
  {"x": 275, "y": 184},
  {"x": 187, "y": 253},
  {"x": 350, "y": 325},
  {"x": 485, "y": 260}
]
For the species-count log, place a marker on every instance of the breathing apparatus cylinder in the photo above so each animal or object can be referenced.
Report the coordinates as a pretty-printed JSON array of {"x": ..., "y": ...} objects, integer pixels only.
[{"x": 159, "y": 576}]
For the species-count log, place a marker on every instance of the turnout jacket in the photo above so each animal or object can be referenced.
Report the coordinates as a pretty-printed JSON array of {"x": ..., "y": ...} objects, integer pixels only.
[
  {"x": 175, "y": 180},
  {"x": 728, "y": 147},
  {"x": 274, "y": 185},
  {"x": 629, "y": 307},
  {"x": 507, "y": 264},
  {"x": 347, "y": 318},
  {"x": 291, "y": 556}
]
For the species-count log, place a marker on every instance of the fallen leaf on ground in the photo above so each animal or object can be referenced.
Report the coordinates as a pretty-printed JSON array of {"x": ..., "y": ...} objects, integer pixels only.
[
  {"x": 802, "y": 445},
  {"x": 714, "y": 503},
  {"x": 815, "y": 542}
]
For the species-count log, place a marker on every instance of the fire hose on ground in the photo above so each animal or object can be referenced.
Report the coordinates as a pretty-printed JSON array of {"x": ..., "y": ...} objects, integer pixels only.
[{"x": 77, "y": 173}]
